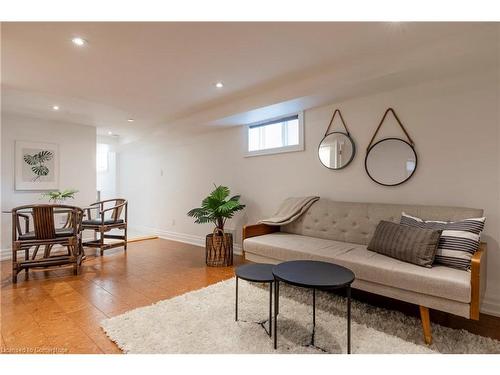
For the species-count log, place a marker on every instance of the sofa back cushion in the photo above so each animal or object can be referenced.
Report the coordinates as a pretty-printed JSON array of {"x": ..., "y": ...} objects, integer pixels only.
[
  {"x": 407, "y": 243},
  {"x": 356, "y": 222}
]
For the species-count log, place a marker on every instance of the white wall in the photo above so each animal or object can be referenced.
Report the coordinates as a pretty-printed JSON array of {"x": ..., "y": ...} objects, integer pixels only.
[
  {"x": 77, "y": 162},
  {"x": 454, "y": 123}
]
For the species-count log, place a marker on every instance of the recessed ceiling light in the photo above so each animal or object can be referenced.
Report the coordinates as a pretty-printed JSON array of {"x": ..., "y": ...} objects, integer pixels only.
[
  {"x": 130, "y": 120},
  {"x": 110, "y": 133},
  {"x": 79, "y": 41},
  {"x": 219, "y": 85},
  {"x": 55, "y": 107}
]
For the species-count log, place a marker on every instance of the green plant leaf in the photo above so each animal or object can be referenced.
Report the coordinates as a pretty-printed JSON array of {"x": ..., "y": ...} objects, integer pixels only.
[
  {"x": 220, "y": 193},
  {"x": 217, "y": 208},
  {"x": 227, "y": 207},
  {"x": 60, "y": 195},
  {"x": 68, "y": 193},
  {"x": 197, "y": 212}
]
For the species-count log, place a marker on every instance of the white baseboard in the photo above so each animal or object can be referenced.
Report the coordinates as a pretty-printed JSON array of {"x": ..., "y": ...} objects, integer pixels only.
[
  {"x": 181, "y": 237},
  {"x": 491, "y": 306}
]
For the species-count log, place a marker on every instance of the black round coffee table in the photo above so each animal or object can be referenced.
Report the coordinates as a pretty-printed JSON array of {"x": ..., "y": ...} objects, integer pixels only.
[
  {"x": 313, "y": 275},
  {"x": 257, "y": 273}
]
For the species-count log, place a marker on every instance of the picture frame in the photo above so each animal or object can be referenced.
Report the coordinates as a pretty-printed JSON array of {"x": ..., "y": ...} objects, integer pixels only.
[{"x": 36, "y": 166}]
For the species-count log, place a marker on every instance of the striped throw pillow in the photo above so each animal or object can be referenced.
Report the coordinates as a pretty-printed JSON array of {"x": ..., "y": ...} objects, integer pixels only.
[{"x": 459, "y": 239}]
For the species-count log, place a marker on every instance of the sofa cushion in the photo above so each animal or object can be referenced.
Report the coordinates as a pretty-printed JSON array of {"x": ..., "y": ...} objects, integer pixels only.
[
  {"x": 286, "y": 246},
  {"x": 409, "y": 244},
  {"x": 439, "y": 281}
]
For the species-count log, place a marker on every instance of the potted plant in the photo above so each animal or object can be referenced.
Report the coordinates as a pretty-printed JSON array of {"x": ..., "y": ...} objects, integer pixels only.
[
  {"x": 216, "y": 209},
  {"x": 60, "y": 196}
]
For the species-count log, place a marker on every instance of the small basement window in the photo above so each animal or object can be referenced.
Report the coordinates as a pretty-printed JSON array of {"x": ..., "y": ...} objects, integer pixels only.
[{"x": 283, "y": 134}]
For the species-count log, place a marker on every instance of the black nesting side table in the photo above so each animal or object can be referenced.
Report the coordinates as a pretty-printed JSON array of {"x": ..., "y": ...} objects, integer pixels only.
[
  {"x": 313, "y": 275},
  {"x": 258, "y": 273}
]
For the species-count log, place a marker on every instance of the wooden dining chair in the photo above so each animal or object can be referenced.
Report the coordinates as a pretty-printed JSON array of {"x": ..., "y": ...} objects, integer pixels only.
[
  {"x": 45, "y": 234},
  {"x": 109, "y": 214}
]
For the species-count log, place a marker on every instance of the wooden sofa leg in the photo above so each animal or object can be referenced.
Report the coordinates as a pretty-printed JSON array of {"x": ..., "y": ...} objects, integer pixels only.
[{"x": 426, "y": 324}]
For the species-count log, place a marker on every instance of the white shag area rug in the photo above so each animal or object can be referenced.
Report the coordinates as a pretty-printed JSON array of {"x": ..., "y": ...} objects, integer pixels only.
[{"x": 203, "y": 322}]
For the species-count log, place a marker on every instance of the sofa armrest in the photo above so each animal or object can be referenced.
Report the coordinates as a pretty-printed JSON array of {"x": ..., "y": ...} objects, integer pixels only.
[
  {"x": 478, "y": 280},
  {"x": 255, "y": 230}
]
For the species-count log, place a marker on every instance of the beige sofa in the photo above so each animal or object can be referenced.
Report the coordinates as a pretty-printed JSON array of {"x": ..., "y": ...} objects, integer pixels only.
[{"x": 339, "y": 232}]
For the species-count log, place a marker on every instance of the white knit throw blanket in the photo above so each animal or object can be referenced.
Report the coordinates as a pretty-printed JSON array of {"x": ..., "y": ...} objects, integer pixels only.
[{"x": 289, "y": 210}]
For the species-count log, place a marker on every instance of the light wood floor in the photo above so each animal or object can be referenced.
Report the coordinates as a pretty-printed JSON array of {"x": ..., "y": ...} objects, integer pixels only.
[{"x": 55, "y": 311}]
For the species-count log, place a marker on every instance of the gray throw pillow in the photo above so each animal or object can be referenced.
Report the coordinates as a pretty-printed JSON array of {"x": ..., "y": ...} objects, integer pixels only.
[{"x": 410, "y": 244}]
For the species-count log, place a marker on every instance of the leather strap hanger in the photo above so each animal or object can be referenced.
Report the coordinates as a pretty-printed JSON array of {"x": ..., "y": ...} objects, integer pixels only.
[
  {"x": 341, "y": 119},
  {"x": 382, "y": 121}
]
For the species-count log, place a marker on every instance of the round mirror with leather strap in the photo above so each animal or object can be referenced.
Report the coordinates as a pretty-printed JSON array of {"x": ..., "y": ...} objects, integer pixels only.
[
  {"x": 391, "y": 161},
  {"x": 337, "y": 149}
]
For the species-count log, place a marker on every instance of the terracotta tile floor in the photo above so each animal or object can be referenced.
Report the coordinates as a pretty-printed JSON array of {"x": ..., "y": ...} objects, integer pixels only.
[{"x": 56, "y": 312}]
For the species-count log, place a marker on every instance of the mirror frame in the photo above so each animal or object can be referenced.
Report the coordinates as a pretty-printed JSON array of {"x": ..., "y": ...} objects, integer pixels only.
[
  {"x": 353, "y": 150},
  {"x": 388, "y": 139}
]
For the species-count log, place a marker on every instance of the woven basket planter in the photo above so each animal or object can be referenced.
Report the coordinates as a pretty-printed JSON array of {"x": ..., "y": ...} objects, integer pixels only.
[{"x": 219, "y": 250}]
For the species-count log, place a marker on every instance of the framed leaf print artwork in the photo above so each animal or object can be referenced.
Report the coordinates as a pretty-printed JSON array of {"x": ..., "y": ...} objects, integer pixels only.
[{"x": 37, "y": 166}]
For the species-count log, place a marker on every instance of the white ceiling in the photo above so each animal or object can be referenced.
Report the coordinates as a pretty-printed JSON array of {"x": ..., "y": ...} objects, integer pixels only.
[{"x": 163, "y": 74}]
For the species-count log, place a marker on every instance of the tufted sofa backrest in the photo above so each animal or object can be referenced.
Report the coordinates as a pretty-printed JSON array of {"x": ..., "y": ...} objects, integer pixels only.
[{"x": 356, "y": 222}]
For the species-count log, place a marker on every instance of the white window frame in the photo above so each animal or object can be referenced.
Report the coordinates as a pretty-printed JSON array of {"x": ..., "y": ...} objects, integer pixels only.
[{"x": 276, "y": 150}]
